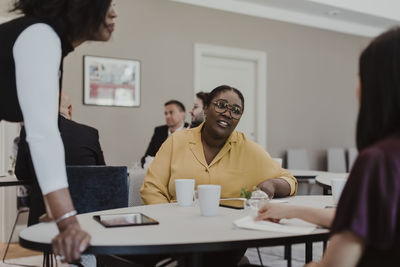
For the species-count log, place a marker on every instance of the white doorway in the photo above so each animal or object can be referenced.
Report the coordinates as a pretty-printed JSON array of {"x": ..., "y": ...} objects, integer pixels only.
[{"x": 243, "y": 69}]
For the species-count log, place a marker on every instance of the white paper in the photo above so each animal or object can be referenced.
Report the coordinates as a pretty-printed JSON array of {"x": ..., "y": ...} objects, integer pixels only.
[
  {"x": 278, "y": 200},
  {"x": 292, "y": 226}
]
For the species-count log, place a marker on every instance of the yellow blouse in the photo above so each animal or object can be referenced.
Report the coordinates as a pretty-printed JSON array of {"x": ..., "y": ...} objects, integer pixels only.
[{"x": 241, "y": 163}]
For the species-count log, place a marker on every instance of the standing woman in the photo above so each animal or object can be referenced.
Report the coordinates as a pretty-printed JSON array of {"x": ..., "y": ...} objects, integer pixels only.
[{"x": 32, "y": 51}]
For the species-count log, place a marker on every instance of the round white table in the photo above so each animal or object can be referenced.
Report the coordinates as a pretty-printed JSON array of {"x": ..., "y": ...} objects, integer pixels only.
[{"x": 182, "y": 230}]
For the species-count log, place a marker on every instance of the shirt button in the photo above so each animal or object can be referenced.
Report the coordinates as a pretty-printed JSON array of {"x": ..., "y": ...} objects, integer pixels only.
[{"x": 206, "y": 170}]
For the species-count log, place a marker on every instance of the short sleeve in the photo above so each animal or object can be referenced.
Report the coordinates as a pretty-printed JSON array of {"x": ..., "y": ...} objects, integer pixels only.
[{"x": 369, "y": 203}]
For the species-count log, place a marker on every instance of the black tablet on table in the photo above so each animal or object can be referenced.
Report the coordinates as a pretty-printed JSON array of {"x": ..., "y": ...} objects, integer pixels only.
[{"x": 124, "y": 219}]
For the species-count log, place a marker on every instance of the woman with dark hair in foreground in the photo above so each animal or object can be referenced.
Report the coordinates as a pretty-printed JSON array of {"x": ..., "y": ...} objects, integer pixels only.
[
  {"x": 366, "y": 227},
  {"x": 33, "y": 49}
]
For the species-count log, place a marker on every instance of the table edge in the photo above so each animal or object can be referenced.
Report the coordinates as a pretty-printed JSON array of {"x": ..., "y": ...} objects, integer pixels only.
[
  {"x": 323, "y": 185},
  {"x": 187, "y": 247}
]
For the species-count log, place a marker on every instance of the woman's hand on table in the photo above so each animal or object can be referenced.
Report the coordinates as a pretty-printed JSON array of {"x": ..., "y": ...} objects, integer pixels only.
[
  {"x": 275, "y": 212},
  {"x": 69, "y": 244},
  {"x": 71, "y": 241}
]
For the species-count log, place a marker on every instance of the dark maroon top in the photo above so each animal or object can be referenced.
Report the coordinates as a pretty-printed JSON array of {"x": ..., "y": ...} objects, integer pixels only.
[{"x": 370, "y": 203}]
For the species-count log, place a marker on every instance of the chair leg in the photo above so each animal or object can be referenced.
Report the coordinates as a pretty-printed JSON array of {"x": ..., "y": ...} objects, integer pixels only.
[
  {"x": 11, "y": 236},
  {"x": 48, "y": 260},
  {"x": 45, "y": 259}
]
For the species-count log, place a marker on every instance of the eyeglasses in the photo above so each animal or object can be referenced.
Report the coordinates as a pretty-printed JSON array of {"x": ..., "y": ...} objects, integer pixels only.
[{"x": 221, "y": 106}]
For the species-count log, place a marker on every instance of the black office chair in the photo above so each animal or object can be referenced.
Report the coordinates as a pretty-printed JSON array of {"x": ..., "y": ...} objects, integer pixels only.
[{"x": 95, "y": 188}]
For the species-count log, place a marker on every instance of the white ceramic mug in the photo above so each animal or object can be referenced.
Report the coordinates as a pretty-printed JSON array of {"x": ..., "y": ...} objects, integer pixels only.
[
  {"x": 209, "y": 196},
  {"x": 184, "y": 189},
  {"x": 337, "y": 188}
]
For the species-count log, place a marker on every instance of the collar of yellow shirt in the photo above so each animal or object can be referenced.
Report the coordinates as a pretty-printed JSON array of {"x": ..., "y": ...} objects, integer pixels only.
[{"x": 196, "y": 146}]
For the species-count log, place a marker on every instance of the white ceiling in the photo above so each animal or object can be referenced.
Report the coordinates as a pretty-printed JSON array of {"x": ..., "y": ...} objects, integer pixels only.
[
  {"x": 382, "y": 8},
  {"x": 357, "y": 17}
]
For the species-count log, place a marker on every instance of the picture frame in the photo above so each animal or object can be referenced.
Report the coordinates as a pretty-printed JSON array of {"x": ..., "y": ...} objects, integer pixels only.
[{"x": 111, "y": 82}]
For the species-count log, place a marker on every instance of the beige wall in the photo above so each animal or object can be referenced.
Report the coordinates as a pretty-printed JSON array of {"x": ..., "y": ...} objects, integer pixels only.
[{"x": 311, "y": 76}]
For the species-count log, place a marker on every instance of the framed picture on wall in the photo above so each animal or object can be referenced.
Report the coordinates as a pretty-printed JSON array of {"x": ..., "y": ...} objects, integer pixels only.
[{"x": 111, "y": 82}]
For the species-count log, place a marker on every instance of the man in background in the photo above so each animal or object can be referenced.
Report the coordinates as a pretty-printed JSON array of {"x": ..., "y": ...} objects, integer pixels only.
[
  {"x": 174, "y": 112},
  {"x": 82, "y": 147},
  {"x": 197, "y": 111}
]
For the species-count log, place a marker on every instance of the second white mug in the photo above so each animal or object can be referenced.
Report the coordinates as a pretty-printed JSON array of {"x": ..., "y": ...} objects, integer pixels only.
[{"x": 209, "y": 196}]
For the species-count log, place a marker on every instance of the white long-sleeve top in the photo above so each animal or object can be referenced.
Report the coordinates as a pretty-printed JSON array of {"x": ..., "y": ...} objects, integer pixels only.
[{"x": 37, "y": 55}]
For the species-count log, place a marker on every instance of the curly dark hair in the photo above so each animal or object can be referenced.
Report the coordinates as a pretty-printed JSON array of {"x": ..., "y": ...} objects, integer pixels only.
[{"x": 77, "y": 19}]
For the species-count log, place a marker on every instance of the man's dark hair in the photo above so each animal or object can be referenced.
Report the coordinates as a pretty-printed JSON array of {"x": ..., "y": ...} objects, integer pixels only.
[
  {"x": 379, "y": 112},
  {"x": 203, "y": 97},
  {"x": 176, "y": 102},
  {"x": 77, "y": 19},
  {"x": 216, "y": 91}
]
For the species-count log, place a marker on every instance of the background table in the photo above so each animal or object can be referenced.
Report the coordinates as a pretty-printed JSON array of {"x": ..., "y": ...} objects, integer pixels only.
[
  {"x": 306, "y": 180},
  {"x": 306, "y": 174},
  {"x": 324, "y": 179},
  {"x": 11, "y": 181},
  {"x": 182, "y": 230}
]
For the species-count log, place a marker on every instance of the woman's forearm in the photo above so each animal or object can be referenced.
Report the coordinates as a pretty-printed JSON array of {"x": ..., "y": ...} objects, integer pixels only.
[
  {"x": 59, "y": 203},
  {"x": 278, "y": 211},
  {"x": 152, "y": 192},
  {"x": 344, "y": 250},
  {"x": 276, "y": 187},
  {"x": 282, "y": 187},
  {"x": 322, "y": 217}
]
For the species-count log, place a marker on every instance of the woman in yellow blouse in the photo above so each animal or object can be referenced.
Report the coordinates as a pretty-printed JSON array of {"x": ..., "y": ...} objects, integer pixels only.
[{"x": 214, "y": 153}]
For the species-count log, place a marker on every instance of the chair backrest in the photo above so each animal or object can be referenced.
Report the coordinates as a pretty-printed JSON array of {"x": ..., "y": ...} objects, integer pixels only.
[
  {"x": 297, "y": 159},
  {"x": 95, "y": 188},
  {"x": 136, "y": 178},
  {"x": 352, "y": 154},
  {"x": 336, "y": 160}
]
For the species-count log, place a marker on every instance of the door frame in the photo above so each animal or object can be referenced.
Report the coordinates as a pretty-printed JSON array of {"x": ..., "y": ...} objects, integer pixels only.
[{"x": 259, "y": 58}]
